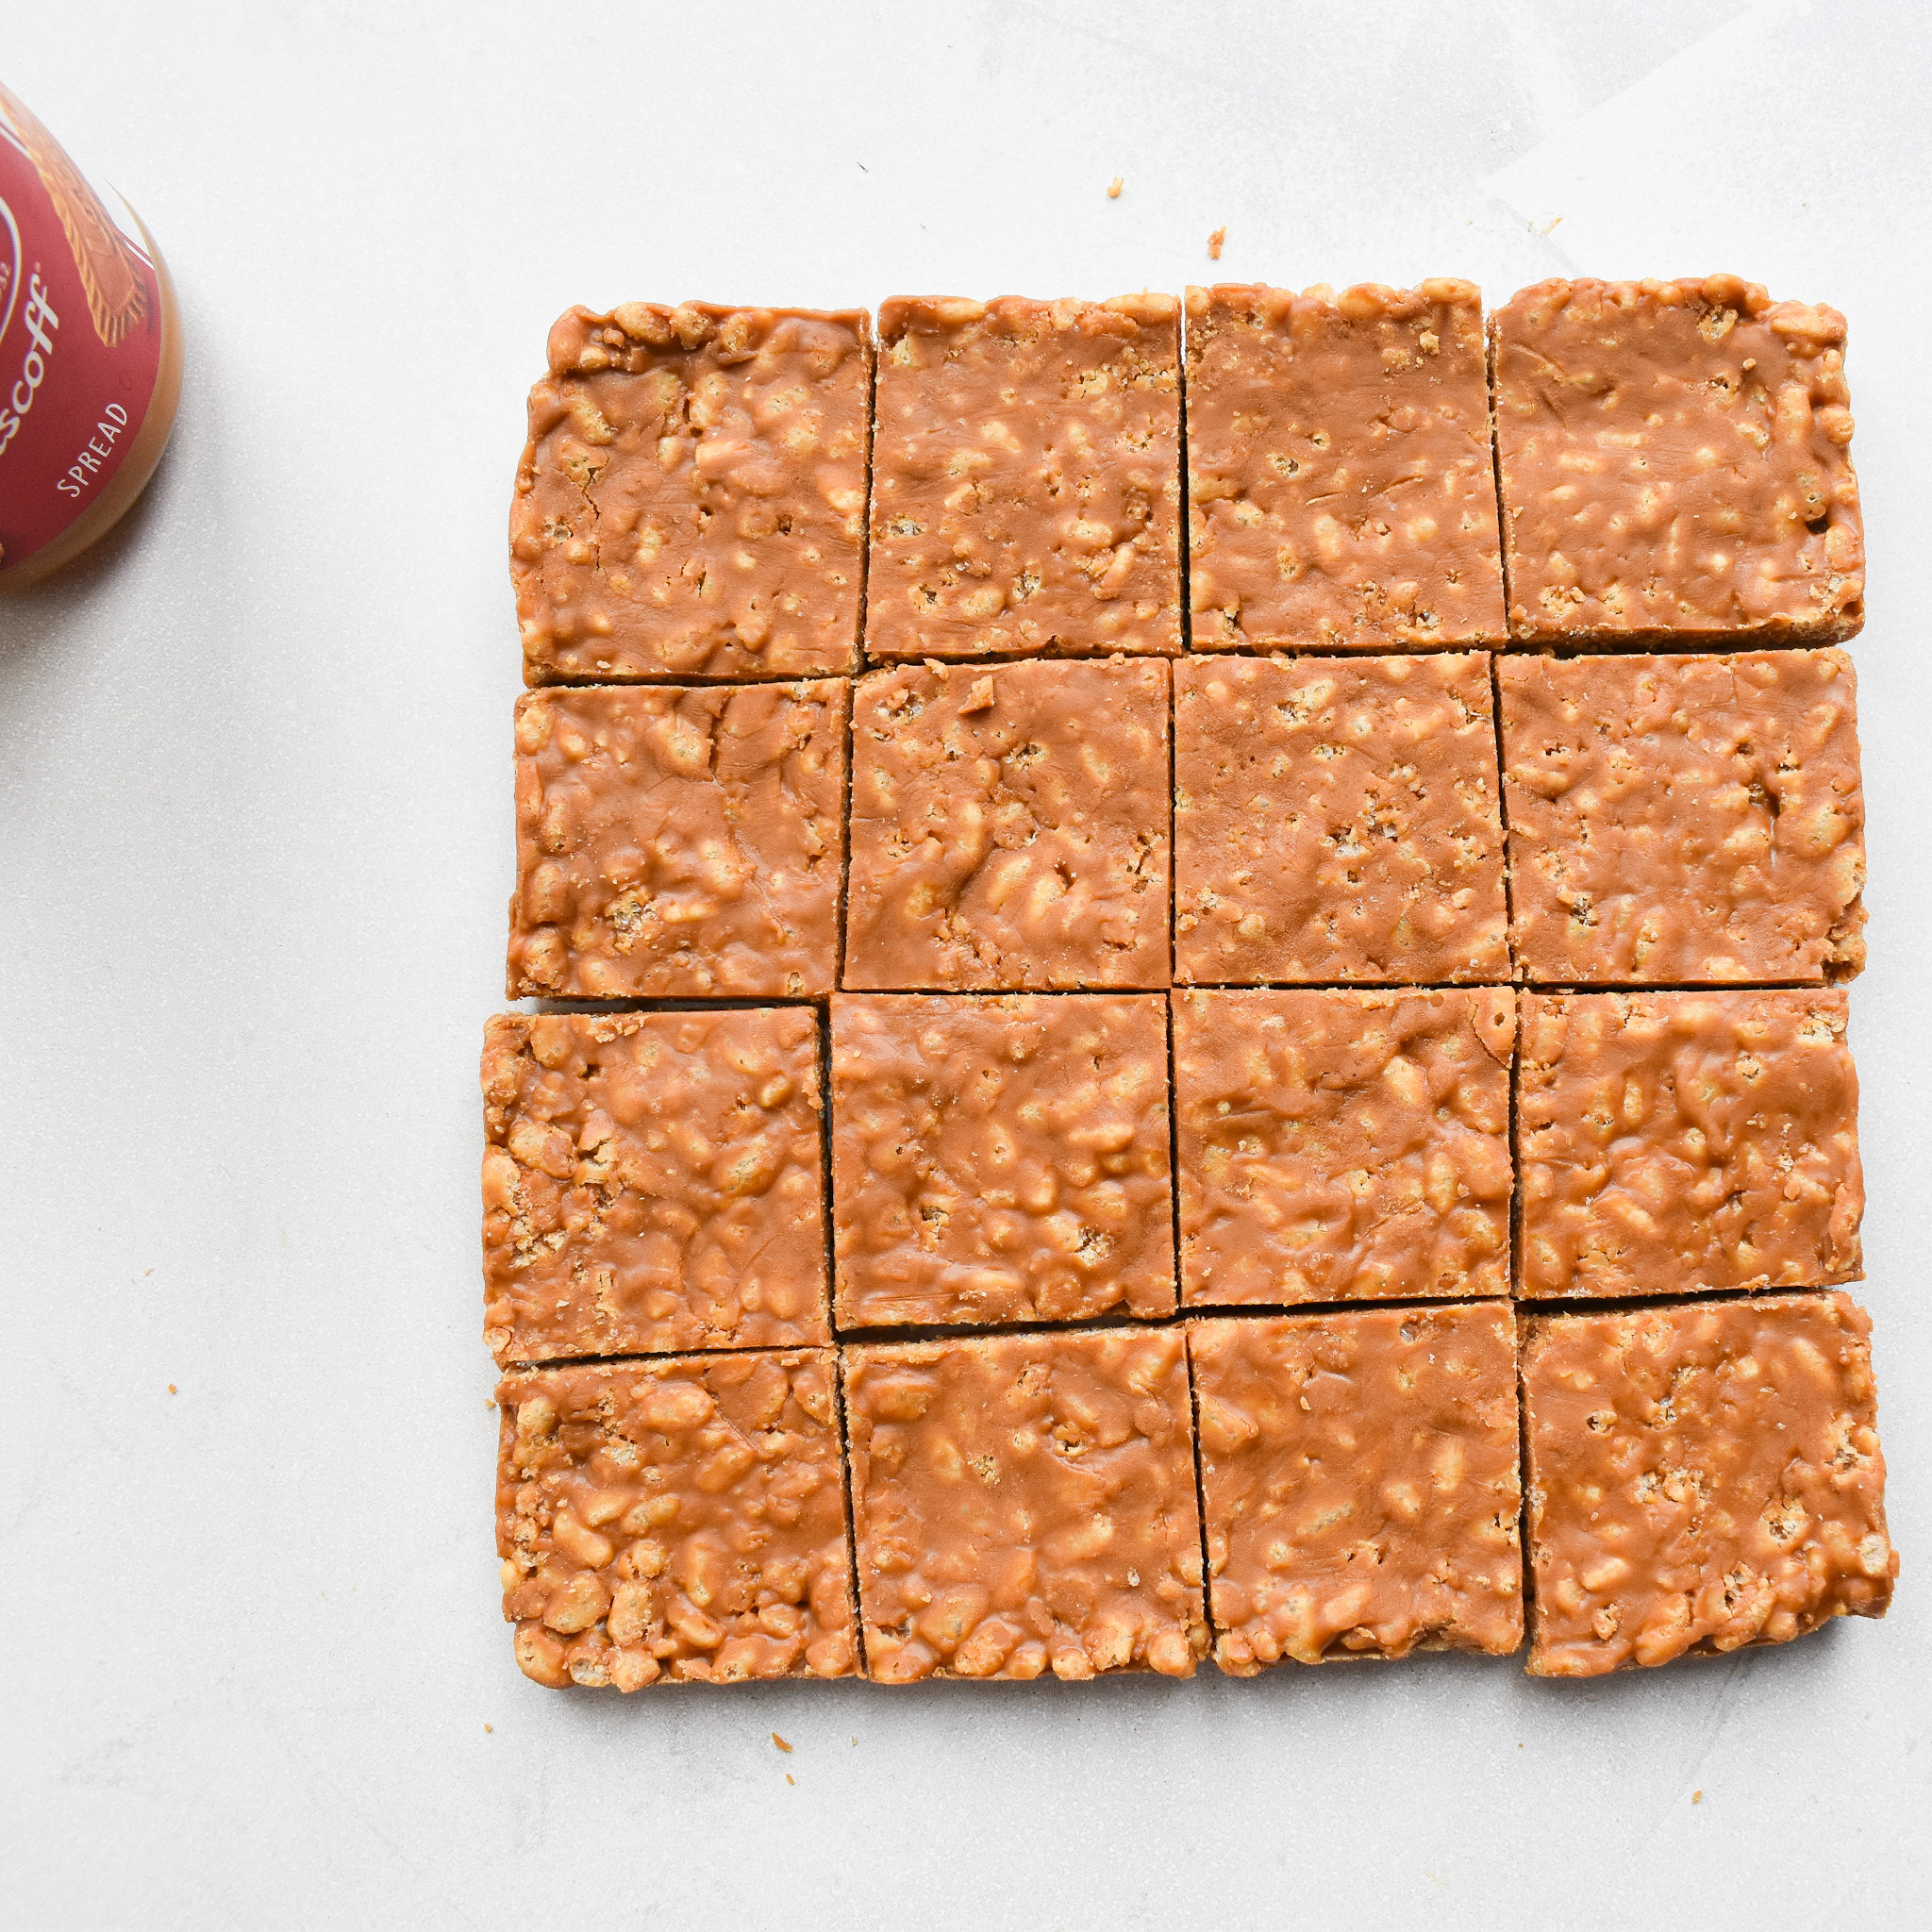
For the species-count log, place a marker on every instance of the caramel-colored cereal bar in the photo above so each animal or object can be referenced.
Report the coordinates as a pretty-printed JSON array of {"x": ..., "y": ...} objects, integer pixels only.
[
  {"x": 1340, "y": 487},
  {"x": 1676, "y": 1142},
  {"x": 675, "y": 1520},
  {"x": 678, "y": 843},
  {"x": 692, "y": 500},
  {"x": 1360, "y": 1468},
  {"x": 1337, "y": 818},
  {"x": 1000, "y": 1158},
  {"x": 1342, "y": 1146},
  {"x": 1678, "y": 820},
  {"x": 1701, "y": 1477},
  {"x": 1010, "y": 827},
  {"x": 1675, "y": 465},
  {"x": 653, "y": 1182},
  {"x": 1026, "y": 478},
  {"x": 1025, "y": 1502}
]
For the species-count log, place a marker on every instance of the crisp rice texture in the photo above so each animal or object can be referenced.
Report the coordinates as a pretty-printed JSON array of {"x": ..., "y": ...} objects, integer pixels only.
[
  {"x": 1341, "y": 493},
  {"x": 1684, "y": 820},
  {"x": 1675, "y": 465},
  {"x": 1025, "y": 1502},
  {"x": 679, "y": 1519},
  {"x": 1360, "y": 1474},
  {"x": 1338, "y": 820},
  {"x": 678, "y": 843},
  {"x": 1000, "y": 1158},
  {"x": 1026, "y": 478},
  {"x": 692, "y": 500},
  {"x": 1701, "y": 1477},
  {"x": 654, "y": 1182},
  {"x": 1342, "y": 1146}
]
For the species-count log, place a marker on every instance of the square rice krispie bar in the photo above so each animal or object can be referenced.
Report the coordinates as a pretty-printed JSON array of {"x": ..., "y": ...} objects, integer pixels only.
[
  {"x": 1701, "y": 1476},
  {"x": 653, "y": 1182},
  {"x": 1026, "y": 478},
  {"x": 692, "y": 500},
  {"x": 1677, "y": 820},
  {"x": 1675, "y": 465},
  {"x": 1010, "y": 827},
  {"x": 1678, "y": 1141},
  {"x": 1360, "y": 1468},
  {"x": 678, "y": 843},
  {"x": 1339, "y": 485},
  {"x": 675, "y": 1520},
  {"x": 1337, "y": 818},
  {"x": 1342, "y": 1145},
  {"x": 1025, "y": 1502},
  {"x": 1000, "y": 1158}
]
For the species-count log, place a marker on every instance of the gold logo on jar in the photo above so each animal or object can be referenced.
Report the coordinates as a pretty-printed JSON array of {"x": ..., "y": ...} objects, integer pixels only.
[{"x": 110, "y": 271}]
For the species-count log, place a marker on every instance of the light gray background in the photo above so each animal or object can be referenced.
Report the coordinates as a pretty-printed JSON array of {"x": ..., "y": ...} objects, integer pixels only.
[{"x": 254, "y": 849}]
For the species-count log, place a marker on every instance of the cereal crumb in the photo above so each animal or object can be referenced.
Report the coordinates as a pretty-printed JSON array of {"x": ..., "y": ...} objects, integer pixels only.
[
  {"x": 1113, "y": 188},
  {"x": 780, "y": 1741},
  {"x": 1549, "y": 225},
  {"x": 790, "y": 1779},
  {"x": 1697, "y": 1797},
  {"x": 172, "y": 1390},
  {"x": 1215, "y": 243},
  {"x": 489, "y": 1727}
]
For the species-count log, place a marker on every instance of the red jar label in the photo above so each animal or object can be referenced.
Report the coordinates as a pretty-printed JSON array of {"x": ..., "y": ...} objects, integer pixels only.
[{"x": 80, "y": 334}]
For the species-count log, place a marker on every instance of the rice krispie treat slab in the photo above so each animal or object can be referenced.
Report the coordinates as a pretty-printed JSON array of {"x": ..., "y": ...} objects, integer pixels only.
[
  {"x": 1675, "y": 465},
  {"x": 1342, "y": 1145},
  {"x": 692, "y": 500},
  {"x": 1337, "y": 819},
  {"x": 1025, "y": 478},
  {"x": 1025, "y": 1503},
  {"x": 1360, "y": 1468},
  {"x": 1000, "y": 1158},
  {"x": 681, "y": 1520},
  {"x": 678, "y": 843},
  {"x": 654, "y": 1182},
  {"x": 1010, "y": 827},
  {"x": 1701, "y": 1477},
  {"x": 1339, "y": 485},
  {"x": 1678, "y": 1141},
  {"x": 1684, "y": 820}
]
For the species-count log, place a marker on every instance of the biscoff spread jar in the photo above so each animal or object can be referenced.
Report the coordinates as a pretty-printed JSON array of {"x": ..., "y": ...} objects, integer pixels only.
[{"x": 89, "y": 353}]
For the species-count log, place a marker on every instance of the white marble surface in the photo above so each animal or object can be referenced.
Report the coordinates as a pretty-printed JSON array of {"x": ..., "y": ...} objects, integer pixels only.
[{"x": 254, "y": 845}]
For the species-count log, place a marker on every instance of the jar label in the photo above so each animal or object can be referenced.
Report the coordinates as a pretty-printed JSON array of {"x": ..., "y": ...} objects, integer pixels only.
[{"x": 80, "y": 334}]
